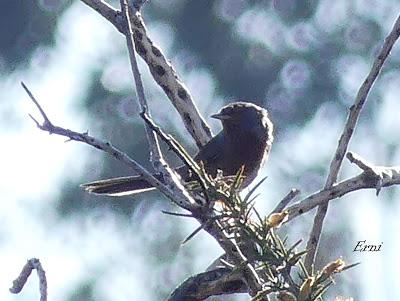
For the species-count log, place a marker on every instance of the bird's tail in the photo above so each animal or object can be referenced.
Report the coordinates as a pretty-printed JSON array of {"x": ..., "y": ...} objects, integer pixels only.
[{"x": 119, "y": 186}]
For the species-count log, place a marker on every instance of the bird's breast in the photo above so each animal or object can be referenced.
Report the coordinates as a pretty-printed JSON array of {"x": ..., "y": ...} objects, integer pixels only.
[{"x": 248, "y": 150}]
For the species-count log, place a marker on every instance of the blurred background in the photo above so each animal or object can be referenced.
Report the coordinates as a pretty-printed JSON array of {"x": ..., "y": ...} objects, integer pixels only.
[{"x": 302, "y": 60}]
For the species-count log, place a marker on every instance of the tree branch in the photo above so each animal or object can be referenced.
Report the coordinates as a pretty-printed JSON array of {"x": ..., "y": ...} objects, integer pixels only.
[
  {"x": 162, "y": 71},
  {"x": 203, "y": 215},
  {"x": 286, "y": 200},
  {"x": 155, "y": 151},
  {"x": 108, "y": 12},
  {"x": 167, "y": 189},
  {"x": 372, "y": 177},
  {"x": 344, "y": 140},
  {"x": 32, "y": 264},
  {"x": 156, "y": 157}
]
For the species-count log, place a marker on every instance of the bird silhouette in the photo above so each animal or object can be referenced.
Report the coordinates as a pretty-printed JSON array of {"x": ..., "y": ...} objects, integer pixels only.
[{"x": 245, "y": 140}]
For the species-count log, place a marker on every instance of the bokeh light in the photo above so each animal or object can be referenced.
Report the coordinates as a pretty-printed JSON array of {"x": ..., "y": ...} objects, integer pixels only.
[
  {"x": 360, "y": 35},
  {"x": 262, "y": 26},
  {"x": 284, "y": 7},
  {"x": 128, "y": 109},
  {"x": 41, "y": 57},
  {"x": 332, "y": 16},
  {"x": 116, "y": 77},
  {"x": 352, "y": 70},
  {"x": 295, "y": 74},
  {"x": 302, "y": 36},
  {"x": 185, "y": 61},
  {"x": 280, "y": 100},
  {"x": 230, "y": 10}
]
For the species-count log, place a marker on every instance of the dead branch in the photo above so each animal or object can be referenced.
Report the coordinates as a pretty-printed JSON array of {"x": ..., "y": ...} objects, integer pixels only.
[
  {"x": 155, "y": 151},
  {"x": 344, "y": 140},
  {"x": 286, "y": 200},
  {"x": 32, "y": 264},
  {"x": 156, "y": 157},
  {"x": 374, "y": 177},
  {"x": 167, "y": 189}
]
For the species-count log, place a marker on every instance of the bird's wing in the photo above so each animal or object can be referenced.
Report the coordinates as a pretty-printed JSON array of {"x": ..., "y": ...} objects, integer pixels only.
[{"x": 212, "y": 153}]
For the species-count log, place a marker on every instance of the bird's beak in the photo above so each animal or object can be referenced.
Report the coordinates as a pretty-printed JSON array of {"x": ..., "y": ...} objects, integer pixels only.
[{"x": 221, "y": 116}]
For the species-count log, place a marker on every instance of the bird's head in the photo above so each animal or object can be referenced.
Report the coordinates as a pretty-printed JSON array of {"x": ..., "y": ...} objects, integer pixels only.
[{"x": 245, "y": 117}]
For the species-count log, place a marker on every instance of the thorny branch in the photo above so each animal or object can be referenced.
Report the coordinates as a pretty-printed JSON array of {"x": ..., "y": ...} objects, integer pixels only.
[
  {"x": 251, "y": 278},
  {"x": 344, "y": 140}
]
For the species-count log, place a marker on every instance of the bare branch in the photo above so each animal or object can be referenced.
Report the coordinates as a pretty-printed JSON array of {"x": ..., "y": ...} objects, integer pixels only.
[
  {"x": 155, "y": 151},
  {"x": 32, "y": 264},
  {"x": 375, "y": 171},
  {"x": 286, "y": 200},
  {"x": 167, "y": 190},
  {"x": 359, "y": 103},
  {"x": 156, "y": 157},
  {"x": 344, "y": 140},
  {"x": 108, "y": 12},
  {"x": 388, "y": 176},
  {"x": 203, "y": 214},
  {"x": 162, "y": 71},
  {"x": 360, "y": 162}
]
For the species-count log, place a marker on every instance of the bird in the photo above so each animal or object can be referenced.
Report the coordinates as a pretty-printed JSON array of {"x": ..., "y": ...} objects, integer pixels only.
[{"x": 244, "y": 141}]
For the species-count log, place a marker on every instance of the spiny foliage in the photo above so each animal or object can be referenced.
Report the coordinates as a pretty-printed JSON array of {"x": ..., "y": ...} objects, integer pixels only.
[{"x": 278, "y": 266}]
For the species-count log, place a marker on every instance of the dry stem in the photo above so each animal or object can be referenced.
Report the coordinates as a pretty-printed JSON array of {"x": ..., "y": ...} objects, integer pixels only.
[
  {"x": 344, "y": 140},
  {"x": 32, "y": 264}
]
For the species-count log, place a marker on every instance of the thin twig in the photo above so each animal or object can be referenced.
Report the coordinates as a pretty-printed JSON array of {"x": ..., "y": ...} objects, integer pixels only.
[
  {"x": 177, "y": 214},
  {"x": 107, "y": 147},
  {"x": 286, "y": 200},
  {"x": 344, "y": 140},
  {"x": 360, "y": 162},
  {"x": 375, "y": 171},
  {"x": 32, "y": 264},
  {"x": 161, "y": 70},
  {"x": 390, "y": 177},
  {"x": 156, "y": 157},
  {"x": 197, "y": 171},
  {"x": 176, "y": 148},
  {"x": 108, "y": 12}
]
